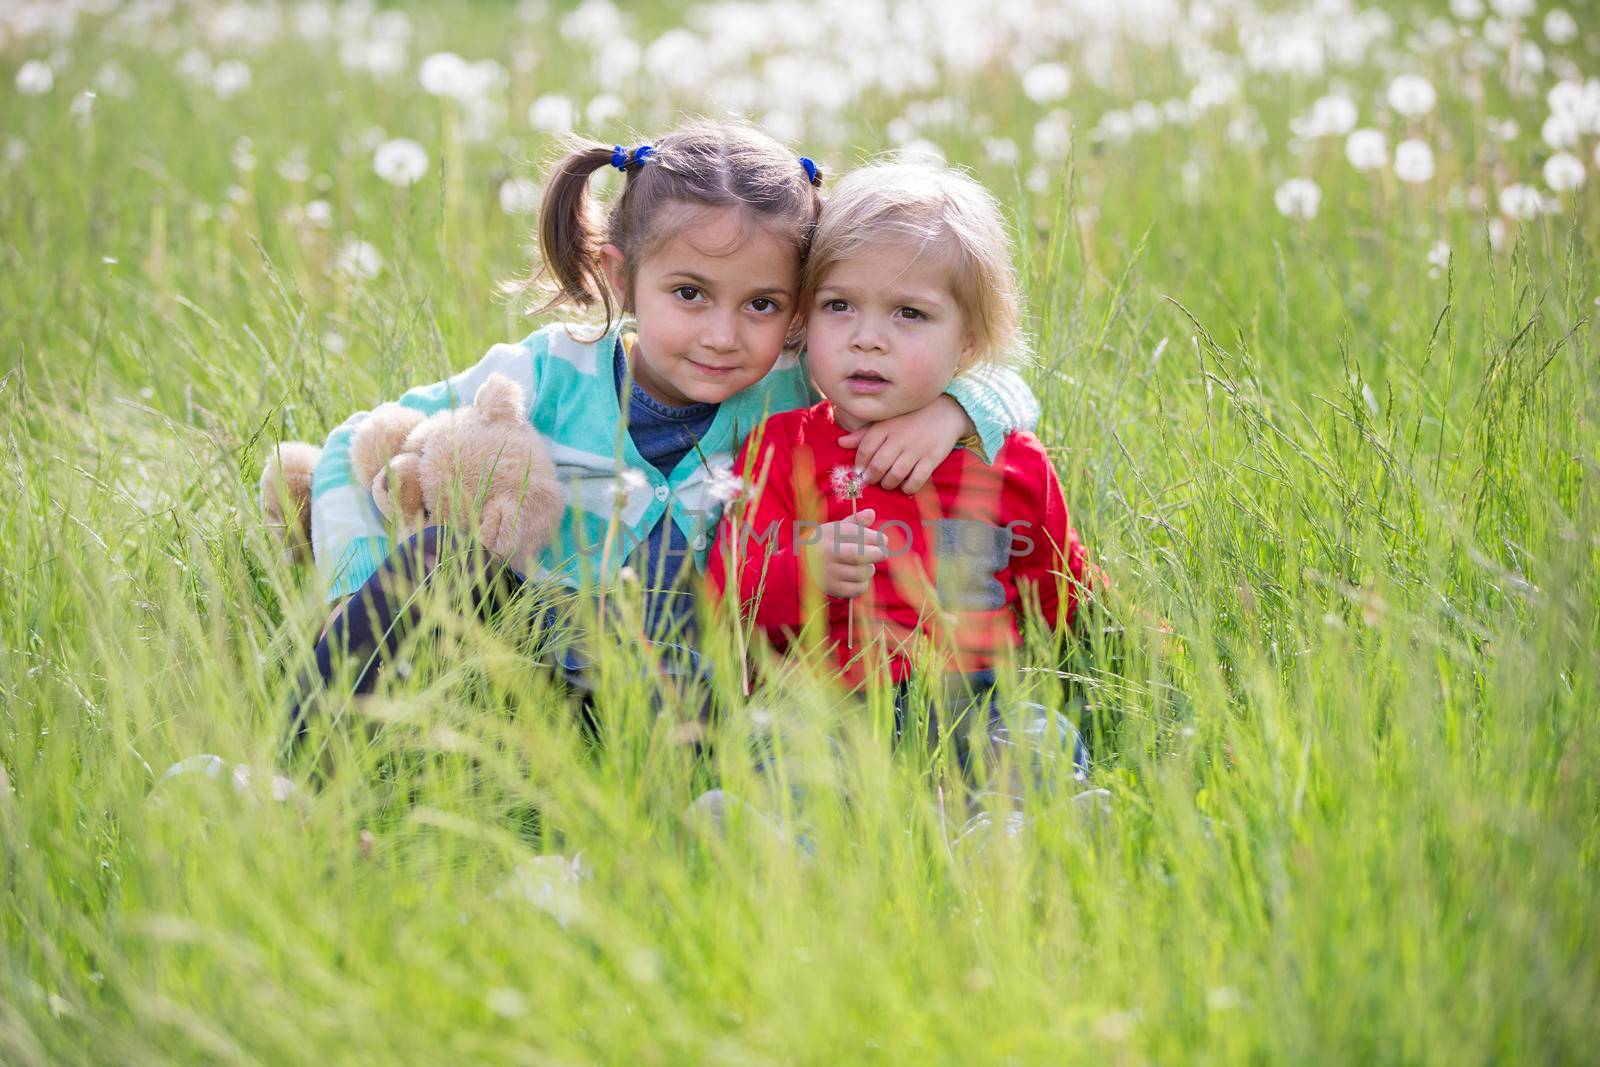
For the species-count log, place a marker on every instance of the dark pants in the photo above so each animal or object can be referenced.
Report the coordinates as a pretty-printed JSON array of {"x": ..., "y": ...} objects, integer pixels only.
[
  {"x": 1042, "y": 744},
  {"x": 378, "y": 618}
]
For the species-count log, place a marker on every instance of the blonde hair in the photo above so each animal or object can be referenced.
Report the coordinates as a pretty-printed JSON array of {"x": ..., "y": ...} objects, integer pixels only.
[
  {"x": 700, "y": 164},
  {"x": 930, "y": 210}
]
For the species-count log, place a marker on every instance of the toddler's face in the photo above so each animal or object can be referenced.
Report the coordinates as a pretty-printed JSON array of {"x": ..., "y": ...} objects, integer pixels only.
[
  {"x": 884, "y": 335},
  {"x": 713, "y": 305}
]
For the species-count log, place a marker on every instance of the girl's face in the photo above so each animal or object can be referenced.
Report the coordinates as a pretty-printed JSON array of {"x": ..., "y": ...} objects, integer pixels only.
[
  {"x": 884, "y": 337},
  {"x": 713, "y": 305}
]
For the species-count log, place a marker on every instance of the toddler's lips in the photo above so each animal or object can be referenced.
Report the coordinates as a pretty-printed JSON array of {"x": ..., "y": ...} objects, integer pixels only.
[
  {"x": 711, "y": 371},
  {"x": 866, "y": 383}
]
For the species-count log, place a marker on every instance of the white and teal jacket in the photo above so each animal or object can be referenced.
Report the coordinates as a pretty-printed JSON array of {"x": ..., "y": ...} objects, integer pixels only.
[{"x": 572, "y": 401}]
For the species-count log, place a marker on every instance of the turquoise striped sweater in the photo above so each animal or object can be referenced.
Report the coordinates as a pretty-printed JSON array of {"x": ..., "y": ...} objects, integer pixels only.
[{"x": 572, "y": 402}]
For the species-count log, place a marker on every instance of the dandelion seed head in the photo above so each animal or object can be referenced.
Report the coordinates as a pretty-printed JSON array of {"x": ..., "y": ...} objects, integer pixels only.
[
  {"x": 358, "y": 260},
  {"x": 1412, "y": 95},
  {"x": 1563, "y": 172},
  {"x": 1413, "y": 161},
  {"x": 400, "y": 161},
  {"x": 553, "y": 113},
  {"x": 1333, "y": 115},
  {"x": 1367, "y": 149},
  {"x": 1438, "y": 258},
  {"x": 1045, "y": 83},
  {"x": 231, "y": 78},
  {"x": 1520, "y": 201},
  {"x": 1298, "y": 198},
  {"x": 35, "y": 78},
  {"x": 1512, "y": 9},
  {"x": 847, "y": 481},
  {"x": 722, "y": 485},
  {"x": 1560, "y": 27},
  {"x": 518, "y": 196},
  {"x": 82, "y": 109},
  {"x": 442, "y": 74}
]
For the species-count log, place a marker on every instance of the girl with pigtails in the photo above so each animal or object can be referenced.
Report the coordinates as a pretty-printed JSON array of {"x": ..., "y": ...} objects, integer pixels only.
[{"x": 695, "y": 269}]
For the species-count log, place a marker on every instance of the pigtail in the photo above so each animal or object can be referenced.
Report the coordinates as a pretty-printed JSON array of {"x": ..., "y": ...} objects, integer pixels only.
[{"x": 571, "y": 233}]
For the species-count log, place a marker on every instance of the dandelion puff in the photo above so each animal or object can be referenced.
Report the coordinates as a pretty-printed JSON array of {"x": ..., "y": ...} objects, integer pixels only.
[
  {"x": 358, "y": 260},
  {"x": 1330, "y": 116},
  {"x": 1438, "y": 258},
  {"x": 1367, "y": 149},
  {"x": 1563, "y": 172},
  {"x": 1052, "y": 136},
  {"x": 847, "y": 481},
  {"x": 1560, "y": 131},
  {"x": 1520, "y": 201},
  {"x": 401, "y": 161},
  {"x": 1412, "y": 95},
  {"x": 1466, "y": 9},
  {"x": 552, "y": 113},
  {"x": 1298, "y": 198},
  {"x": 518, "y": 196},
  {"x": 1497, "y": 234},
  {"x": 1045, "y": 83},
  {"x": 113, "y": 79},
  {"x": 231, "y": 78},
  {"x": 626, "y": 484},
  {"x": 604, "y": 109},
  {"x": 35, "y": 78},
  {"x": 442, "y": 74},
  {"x": 1413, "y": 161},
  {"x": 1560, "y": 27},
  {"x": 82, "y": 109},
  {"x": 722, "y": 485},
  {"x": 1512, "y": 9},
  {"x": 1000, "y": 150}
]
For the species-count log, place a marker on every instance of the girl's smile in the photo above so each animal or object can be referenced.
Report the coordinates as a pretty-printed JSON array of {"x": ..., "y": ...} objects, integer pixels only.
[{"x": 713, "y": 305}]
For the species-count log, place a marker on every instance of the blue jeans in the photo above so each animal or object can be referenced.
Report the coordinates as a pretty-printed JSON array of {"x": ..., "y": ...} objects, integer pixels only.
[{"x": 379, "y": 616}]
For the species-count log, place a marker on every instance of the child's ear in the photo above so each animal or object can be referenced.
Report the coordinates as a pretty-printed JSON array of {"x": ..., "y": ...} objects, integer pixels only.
[
  {"x": 969, "y": 349},
  {"x": 616, "y": 269}
]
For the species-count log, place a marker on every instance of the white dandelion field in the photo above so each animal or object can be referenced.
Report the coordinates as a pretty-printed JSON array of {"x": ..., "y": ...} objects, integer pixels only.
[{"x": 1312, "y": 291}]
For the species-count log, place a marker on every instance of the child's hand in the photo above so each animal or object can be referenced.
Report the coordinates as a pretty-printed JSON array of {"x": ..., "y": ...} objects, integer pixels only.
[
  {"x": 903, "y": 451},
  {"x": 846, "y": 553}
]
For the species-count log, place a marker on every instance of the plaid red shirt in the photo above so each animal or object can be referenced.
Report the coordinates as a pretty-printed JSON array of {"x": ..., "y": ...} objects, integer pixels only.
[{"x": 970, "y": 551}]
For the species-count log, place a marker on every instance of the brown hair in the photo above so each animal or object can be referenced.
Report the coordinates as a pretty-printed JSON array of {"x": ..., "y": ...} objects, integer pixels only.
[
  {"x": 929, "y": 210},
  {"x": 700, "y": 164}
]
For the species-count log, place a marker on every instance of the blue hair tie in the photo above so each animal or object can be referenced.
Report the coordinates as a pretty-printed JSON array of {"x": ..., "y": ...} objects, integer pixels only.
[
  {"x": 813, "y": 175},
  {"x": 622, "y": 159}
]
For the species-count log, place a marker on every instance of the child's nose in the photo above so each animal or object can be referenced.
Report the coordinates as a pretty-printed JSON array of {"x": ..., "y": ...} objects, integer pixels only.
[
  {"x": 868, "y": 336},
  {"x": 721, "y": 333}
]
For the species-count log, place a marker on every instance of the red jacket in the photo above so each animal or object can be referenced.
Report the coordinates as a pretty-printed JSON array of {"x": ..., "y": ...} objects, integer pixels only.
[{"x": 968, "y": 552}]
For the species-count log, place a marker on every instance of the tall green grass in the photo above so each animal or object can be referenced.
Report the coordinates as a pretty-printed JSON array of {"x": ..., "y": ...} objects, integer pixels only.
[{"x": 1342, "y": 686}]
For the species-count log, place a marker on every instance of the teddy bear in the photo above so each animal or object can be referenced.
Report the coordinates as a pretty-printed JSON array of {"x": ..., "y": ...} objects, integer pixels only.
[
  {"x": 286, "y": 496},
  {"x": 436, "y": 469}
]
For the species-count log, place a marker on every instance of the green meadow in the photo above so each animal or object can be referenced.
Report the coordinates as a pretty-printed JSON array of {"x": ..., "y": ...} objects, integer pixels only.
[{"x": 1335, "y": 442}]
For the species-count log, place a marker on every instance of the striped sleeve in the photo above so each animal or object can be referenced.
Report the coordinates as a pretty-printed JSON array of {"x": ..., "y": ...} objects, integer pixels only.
[
  {"x": 349, "y": 537},
  {"x": 997, "y": 401}
]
